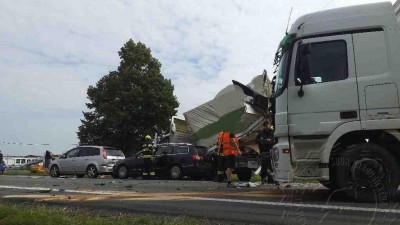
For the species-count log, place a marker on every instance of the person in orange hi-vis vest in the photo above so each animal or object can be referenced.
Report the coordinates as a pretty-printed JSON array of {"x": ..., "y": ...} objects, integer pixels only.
[{"x": 228, "y": 148}]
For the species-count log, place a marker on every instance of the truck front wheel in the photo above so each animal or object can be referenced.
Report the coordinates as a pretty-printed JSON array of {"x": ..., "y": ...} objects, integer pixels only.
[
  {"x": 244, "y": 175},
  {"x": 367, "y": 172}
]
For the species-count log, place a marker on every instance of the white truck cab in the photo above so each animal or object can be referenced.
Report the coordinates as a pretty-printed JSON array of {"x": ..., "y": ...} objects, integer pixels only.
[{"x": 337, "y": 108}]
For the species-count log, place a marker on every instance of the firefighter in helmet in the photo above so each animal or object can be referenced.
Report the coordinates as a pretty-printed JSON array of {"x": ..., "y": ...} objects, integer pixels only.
[{"x": 148, "y": 151}]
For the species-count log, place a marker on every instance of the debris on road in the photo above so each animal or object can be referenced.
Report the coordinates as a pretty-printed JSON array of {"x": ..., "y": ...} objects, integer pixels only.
[{"x": 245, "y": 185}]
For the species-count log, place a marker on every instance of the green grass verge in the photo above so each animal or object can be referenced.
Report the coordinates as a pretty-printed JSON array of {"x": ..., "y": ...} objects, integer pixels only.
[{"x": 11, "y": 214}]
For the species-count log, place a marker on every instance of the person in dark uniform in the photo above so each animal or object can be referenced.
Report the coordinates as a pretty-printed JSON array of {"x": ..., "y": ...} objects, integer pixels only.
[
  {"x": 266, "y": 140},
  {"x": 48, "y": 156},
  {"x": 148, "y": 151},
  {"x": 1, "y": 158},
  {"x": 2, "y": 163}
]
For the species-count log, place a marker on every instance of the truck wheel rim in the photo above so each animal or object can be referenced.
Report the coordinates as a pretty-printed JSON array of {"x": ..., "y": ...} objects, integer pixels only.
[{"x": 364, "y": 170}]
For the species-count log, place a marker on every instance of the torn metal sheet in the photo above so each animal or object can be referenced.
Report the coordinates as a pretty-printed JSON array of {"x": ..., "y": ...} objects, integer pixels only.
[{"x": 227, "y": 111}]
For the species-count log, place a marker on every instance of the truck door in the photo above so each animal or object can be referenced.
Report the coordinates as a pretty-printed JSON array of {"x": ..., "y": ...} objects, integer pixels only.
[{"x": 322, "y": 92}]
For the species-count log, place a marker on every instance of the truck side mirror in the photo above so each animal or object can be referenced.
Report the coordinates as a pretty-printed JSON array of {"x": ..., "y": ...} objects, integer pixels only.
[{"x": 302, "y": 66}]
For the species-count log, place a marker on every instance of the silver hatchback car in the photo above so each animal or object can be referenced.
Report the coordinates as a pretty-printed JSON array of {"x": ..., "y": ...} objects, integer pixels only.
[{"x": 86, "y": 160}]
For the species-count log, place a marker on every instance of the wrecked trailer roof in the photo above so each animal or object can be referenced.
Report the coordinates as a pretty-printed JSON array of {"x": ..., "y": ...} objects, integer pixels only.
[{"x": 225, "y": 112}]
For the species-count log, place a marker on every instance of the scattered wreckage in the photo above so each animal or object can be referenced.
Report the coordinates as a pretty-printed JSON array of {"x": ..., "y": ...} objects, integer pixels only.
[{"x": 237, "y": 108}]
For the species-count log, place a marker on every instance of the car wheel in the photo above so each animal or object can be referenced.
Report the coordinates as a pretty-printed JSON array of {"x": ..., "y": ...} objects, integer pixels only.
[
  {"x": 244, "y": 175},
  {"x": 92, "y": 171},
  {"x": 54, "y": 171},
  {"x": 367, "y": 172},
  {"x": 122, "y": 172},
  {"x": 80, "y": 175},
  {"x": 175, "y": 172}
]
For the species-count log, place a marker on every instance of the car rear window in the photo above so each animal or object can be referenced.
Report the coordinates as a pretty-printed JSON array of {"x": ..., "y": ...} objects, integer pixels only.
[
  {"x": 114, "y": 152},
  {"x": 201, "y": 150},
  {"x": 94, "y": 151}
]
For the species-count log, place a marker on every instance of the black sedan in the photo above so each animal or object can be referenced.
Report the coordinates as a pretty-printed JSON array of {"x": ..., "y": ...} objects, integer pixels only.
[{"x": 170, "y": 160}]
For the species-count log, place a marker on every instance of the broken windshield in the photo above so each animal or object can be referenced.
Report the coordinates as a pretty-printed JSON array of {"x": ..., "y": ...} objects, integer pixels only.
[{"x": 280, "y": 62}]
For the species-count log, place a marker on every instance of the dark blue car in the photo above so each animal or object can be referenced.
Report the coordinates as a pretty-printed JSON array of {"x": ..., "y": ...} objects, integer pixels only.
[
  {"x": 2, "y": 168},
  {"x": 170, "y": 161}
]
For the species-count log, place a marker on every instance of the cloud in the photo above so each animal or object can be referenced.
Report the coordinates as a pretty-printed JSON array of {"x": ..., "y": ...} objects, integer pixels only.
[{"x": 51, "y": 51}]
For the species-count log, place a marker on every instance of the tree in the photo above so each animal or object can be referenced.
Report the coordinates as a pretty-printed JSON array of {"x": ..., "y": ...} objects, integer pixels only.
[{"x": 129, "y": 103}]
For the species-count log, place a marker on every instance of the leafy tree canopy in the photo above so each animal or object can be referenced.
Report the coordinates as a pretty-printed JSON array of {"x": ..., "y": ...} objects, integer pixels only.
[{"x": 129, "y": 103}]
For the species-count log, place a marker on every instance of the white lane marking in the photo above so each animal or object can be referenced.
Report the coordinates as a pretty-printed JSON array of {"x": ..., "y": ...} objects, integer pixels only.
[
  {"x": 59, "y": 190},
  {"x": 311, "y": 206}
]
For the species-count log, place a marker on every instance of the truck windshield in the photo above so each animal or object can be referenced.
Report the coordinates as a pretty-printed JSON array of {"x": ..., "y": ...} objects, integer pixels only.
[{"x": 280, "y": 73}]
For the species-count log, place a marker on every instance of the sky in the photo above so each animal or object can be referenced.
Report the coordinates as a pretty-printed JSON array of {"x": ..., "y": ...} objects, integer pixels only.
[{"x": 51, "y": 51}]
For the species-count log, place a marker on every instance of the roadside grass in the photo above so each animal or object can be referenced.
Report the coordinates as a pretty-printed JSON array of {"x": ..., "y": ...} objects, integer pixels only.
[
  {"x": 12, "y": 214},
  {"x": 23, "y": 172}
]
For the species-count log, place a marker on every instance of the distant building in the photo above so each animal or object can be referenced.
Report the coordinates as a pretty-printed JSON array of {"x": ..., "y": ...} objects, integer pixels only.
[
  {"x": 397, "y": 9},
  {"x": 19, "y": 161}
]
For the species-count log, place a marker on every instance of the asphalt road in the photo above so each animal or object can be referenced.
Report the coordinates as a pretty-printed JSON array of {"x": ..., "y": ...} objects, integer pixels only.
[{"x": 267, "y": 204}]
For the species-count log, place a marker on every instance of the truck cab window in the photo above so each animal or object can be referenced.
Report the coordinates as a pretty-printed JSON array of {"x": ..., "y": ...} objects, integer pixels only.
[{"x": 321, "y": 62}]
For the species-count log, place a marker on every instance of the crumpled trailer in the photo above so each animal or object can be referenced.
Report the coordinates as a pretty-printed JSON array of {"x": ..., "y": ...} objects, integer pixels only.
[{"x": 237, "y": 108}]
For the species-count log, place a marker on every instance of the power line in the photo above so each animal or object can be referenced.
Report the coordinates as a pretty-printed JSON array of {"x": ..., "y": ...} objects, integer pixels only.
[
  {"x": 26, "y": 144},
  {"x": 327, "y": 4}
]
